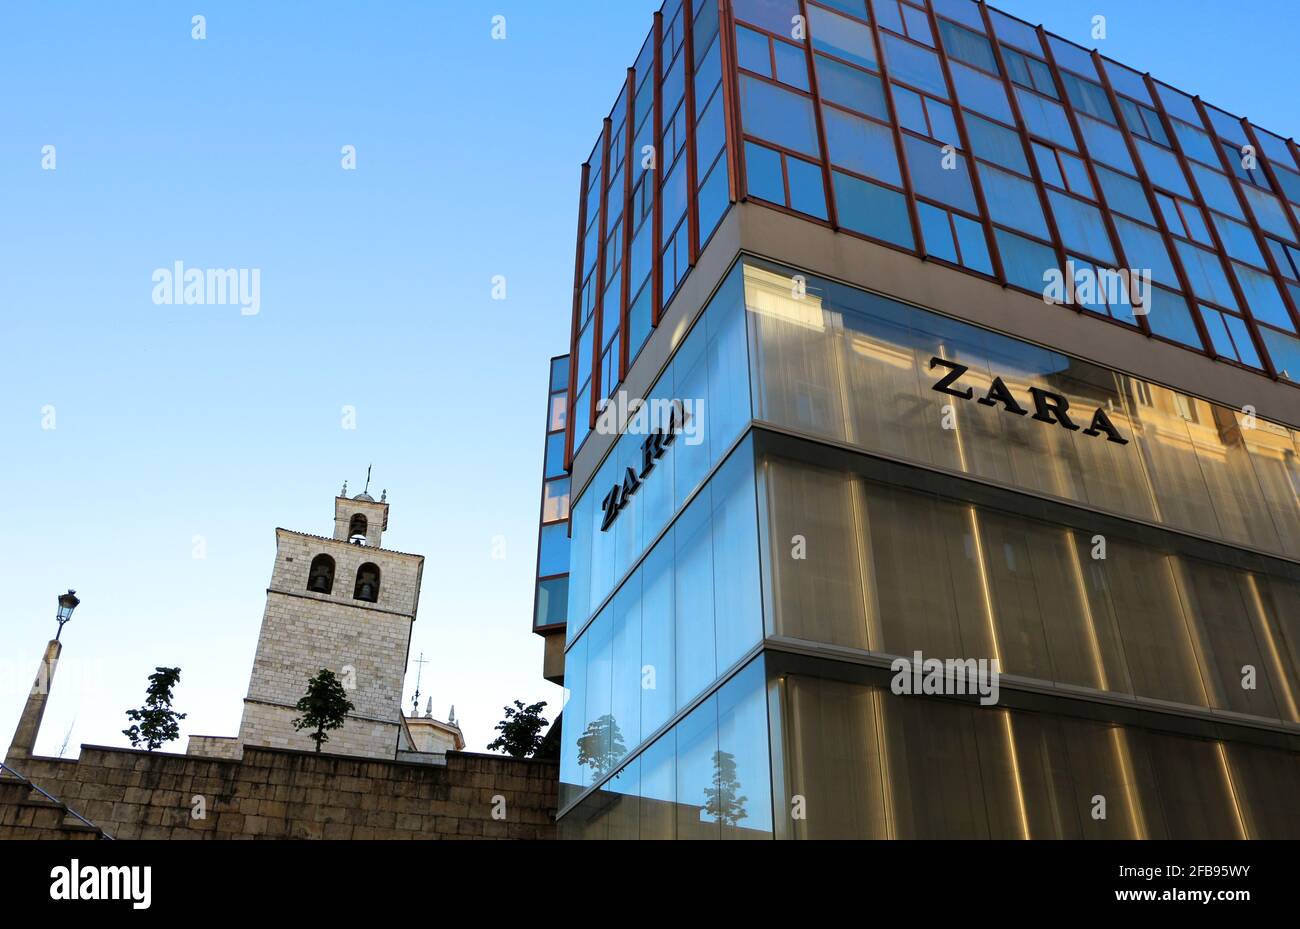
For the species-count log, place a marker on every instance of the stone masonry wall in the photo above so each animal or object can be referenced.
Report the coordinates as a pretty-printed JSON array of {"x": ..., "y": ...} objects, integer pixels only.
[
  {"x": 275, "y": 794},
  {"x": 272, "y": 726}
]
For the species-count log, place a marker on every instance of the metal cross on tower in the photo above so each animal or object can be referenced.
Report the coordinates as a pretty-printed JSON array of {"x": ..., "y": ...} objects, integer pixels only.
[{"x": 419, "y": 671}]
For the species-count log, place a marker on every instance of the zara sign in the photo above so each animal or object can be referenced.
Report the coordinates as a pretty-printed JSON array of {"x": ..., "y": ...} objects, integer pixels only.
[{"x": 1051, "y": 408}]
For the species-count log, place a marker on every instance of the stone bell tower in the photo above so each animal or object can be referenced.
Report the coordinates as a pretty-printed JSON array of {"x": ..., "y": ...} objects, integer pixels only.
[{"x": 342, "y": 603}]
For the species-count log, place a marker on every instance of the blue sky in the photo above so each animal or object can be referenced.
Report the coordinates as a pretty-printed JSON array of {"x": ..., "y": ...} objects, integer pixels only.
[{"x": 177, "y": 422}]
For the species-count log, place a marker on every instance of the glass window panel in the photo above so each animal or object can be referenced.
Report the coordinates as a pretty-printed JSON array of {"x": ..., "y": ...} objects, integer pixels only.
[
  {"x": 1025, "y": 262},
  {"x": 1194, "y": 221},
  {"x": 626, "y": 673},
  {"x": 1268, "y": 211},
  {"x": 861, "y": 145},
  {"x": 742, "y": 768},
  {"x": 1018, "y": 33},
  {"x": 942, "y": 125},
  {"x": 1242, "y": 339},
  {"x": 1274, "y": 147},
  {"x": 1285, "y": 352},
  {"x": 963, "y": 11},
  {"x": 937, "y": 233},
  {"x": 1178, "y": 103},
  {"x": 1106, "y": 144},
  {"x": 842, "y": 37},
  {"x": 555, "y": 500},
  {"x": 849, "y": 86},
  {"x": 1045, "y": 118},
  {"x": 763, "y": 173},
  {"x": 1238, "y": 240},
  {"x": 752, "y": 51},
  {"x": 873, "y": 210},
  {"x": 914, "y": 65},
  {"x": 887, "y": 15},
  {"x": 554, "y": 556},
  {"x": 693, "y": 631},
  {"x": 1069, "y": 55},
  {"x": 658, "y": 819},
  {"x": 1127, "y": 81},
  {"x": 697, "y": 754},
  {"x": 1227, "y": 126},
  {"x": 554, "y": 455},
  {"x": 1205, "y": 273},
  {"x": 1230, "y": 336},
  {"x": 996, "y": 143},
  {"x": 1145, "y": 249},
  {"x": 807, "y": 192},
  {"x": 791, "y": 64},
  {"x": 911, "y": 111},
  {"x": 974, "y": 247},
  {"x": 1217, "y": 191},
  {"x": 1082, "y": 228},
  {"x": 856, "y": 7},
  {"x": 1013, "y": 201},
  {"x": 1290, "y": 182},
  {"x": 1196, "y": 144},
  {"x": 1047, "y": 166},
  {"x": 552, "y": 601},
  {"x": 1088, "y": 97},
  {"x": 1076, "y": 174},
  {"x": 707, "y": 76},
  {"x": 658, "y": 694},
  {"x": 1163, "y": 167},
  {"x": 1170, "y": 317},
  {"x": 968, "y": 46},
  {"x": 980, "y": 92},
  {"x": 1262, "y": 296},
  {"x": 1124, "y": 194},
  {"x": 918, "y": 25},
  {"x": 938, "y": 174},
  {"x": 778, "y": 115},
  {"x": 773, "y": 15}
]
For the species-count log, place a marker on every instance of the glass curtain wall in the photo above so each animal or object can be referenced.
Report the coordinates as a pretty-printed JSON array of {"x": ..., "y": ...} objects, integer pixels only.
[
  {"x": 842, "y": 364},
  {"x": 863, "y": 763},
  {"x": 895, "y": 570}
]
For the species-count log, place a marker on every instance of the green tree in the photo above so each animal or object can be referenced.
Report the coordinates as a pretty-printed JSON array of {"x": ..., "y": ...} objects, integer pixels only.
[
  {"x": 156, "y": 722},
  {"x": 601, "y": 746},
  {"x": 324, "y": 706},
  {"x": 521, "y": 730}
]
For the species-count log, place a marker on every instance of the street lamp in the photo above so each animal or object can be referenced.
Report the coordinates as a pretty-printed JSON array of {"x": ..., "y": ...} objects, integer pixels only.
[{"x": 67, "y": 603}]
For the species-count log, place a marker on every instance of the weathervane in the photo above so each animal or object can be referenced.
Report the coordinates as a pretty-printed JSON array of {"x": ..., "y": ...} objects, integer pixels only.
[{"x": 367, "y": 490}]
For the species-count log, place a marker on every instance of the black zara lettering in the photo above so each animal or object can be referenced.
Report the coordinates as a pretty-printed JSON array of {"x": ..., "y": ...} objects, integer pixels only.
[{"x": 1049, "y": 407}]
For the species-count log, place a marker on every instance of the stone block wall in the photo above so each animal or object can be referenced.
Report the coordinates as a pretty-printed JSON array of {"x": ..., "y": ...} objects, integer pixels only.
[
  {"x": 399, "y": 582},
  {"x": 271, "y": 726},
  {"x": 277, "y": 794}
]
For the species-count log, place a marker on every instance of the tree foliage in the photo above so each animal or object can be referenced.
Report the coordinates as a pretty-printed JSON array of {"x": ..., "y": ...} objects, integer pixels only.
[
  {"x": 156, "y": 722},
  {"x": 521, "y": 730},
  {"x": 324, "y": 707}
]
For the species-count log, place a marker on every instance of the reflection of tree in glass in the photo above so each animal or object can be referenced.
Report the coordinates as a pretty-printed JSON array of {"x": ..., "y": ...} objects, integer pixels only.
[
  {"x": 601, "y": 746},
  {"x": 725, "y": 802}
]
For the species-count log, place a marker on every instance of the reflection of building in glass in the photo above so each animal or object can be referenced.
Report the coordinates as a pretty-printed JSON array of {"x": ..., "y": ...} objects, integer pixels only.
[{"x": 1106, "y": 503}]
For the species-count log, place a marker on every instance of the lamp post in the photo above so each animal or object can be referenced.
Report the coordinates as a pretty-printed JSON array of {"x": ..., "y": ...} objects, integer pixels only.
[
  {"x": 29, "y": 724},
  {"x": 67, "y": 603}
]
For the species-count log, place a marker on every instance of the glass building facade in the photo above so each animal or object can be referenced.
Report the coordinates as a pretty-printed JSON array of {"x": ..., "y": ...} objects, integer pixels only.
[{"x": 825, "y": 475}]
